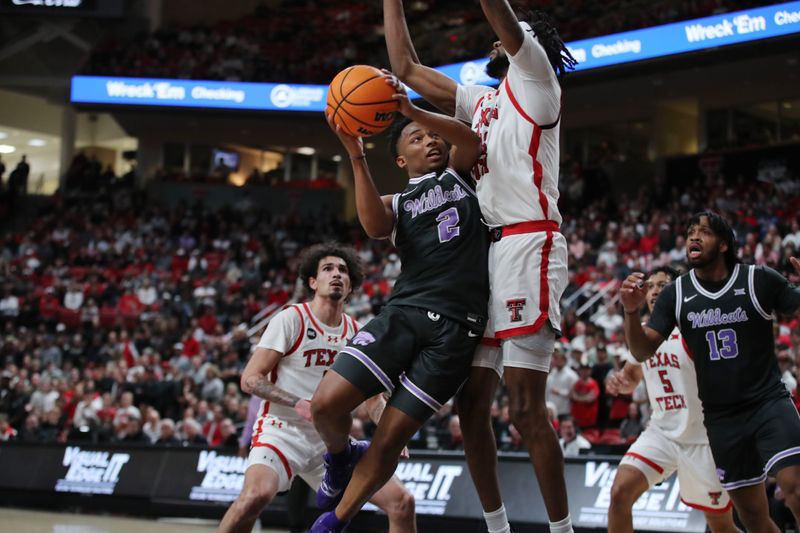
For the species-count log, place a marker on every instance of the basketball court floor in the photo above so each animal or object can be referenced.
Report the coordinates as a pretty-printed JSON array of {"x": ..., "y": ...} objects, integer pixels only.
[{"x": 27, "y": 521}]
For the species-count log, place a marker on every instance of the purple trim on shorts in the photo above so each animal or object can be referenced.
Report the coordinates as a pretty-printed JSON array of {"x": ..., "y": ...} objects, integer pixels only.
[
  {"x": 371, "y": 366},
  {"x": 419, "y": 393},
  {"x": 744, "y": 483},
  {"x": 780, "y": 455}
]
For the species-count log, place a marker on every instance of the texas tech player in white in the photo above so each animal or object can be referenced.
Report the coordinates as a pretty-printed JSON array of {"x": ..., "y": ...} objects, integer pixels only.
[
  {"x": 299, "y": 344},
  {"x": 517, "y": 176},
  {"x": 675, "y": 438},
  {"x": 309, "y": 347}
]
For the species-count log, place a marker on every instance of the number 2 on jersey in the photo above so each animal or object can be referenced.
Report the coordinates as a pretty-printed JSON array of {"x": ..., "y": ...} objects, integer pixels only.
[
  {"x": 448, "y": 225},
  {"x": 727, "y": 338}
]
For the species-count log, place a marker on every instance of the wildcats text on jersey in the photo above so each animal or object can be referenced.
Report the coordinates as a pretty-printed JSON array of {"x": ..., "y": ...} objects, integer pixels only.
[
  {"x": 433, "y": 199},
  {"x": 715, "y": 317}
]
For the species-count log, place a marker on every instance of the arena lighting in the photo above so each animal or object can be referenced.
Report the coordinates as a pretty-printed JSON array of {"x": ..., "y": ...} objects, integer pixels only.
[
  {"x": 306, "y": 150},
  {"x": 7, "y": 149},
  {"x": 3, "y": 135},
  {"x": 615, "y": 49},
  {"x": 336, "y": 158},
  {"x": 37, "y": 142}
]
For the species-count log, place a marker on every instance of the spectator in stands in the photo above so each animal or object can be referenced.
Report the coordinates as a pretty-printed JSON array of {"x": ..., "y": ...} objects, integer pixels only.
[
  {"x": 73, "y": 298},
  {"x": 560, "y": 382},
  {"x": 152, "y": 425},
  {"x": 6, "y": 431},
  {"x": 571, "y": 441},
  {"x": 126, "y": 409},
  {"x": 228, "y": 433},
  {"x": 632, "y": 425},
  {"x": 585, "y": 398},
  {"x": 191, "y": 433},
  {"x": 31, "y": 431},
  {"x": 167, "y": 435},
  {"x": 133, "y": 433}
]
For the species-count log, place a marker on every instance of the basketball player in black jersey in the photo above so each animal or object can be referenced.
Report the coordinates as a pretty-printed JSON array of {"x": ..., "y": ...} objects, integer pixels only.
[
  {"x": 724, "y": 312},
  {"x": 419, "y": 348}
]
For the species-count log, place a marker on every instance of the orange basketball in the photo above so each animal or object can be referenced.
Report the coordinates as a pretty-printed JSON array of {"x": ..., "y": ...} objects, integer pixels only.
[{"x": 361, "y": 101}]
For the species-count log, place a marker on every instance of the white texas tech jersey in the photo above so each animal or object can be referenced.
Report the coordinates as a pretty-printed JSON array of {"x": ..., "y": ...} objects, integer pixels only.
[
  {"x": 519, "y": 124},
  {"x": 672, "y": 390},
  {"x": 309, "y": 348}
]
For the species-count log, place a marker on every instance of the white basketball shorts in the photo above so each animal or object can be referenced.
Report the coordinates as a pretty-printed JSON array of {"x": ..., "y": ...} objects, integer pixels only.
[
  {"x": 289, "y": 449},
  {"x": 658, "y": 456}
]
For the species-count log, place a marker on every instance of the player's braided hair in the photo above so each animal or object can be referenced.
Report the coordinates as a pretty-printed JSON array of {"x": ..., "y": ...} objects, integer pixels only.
[
  {"x": 721, "y": 229},
  {"x": 557, "y": 52},
  {"x": 309, "y": 262}
]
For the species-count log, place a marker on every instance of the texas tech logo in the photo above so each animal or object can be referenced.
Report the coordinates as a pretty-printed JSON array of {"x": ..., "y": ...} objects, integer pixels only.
[
  {"x": 91, "y": 472},
  {"x": 515, "y": 308},
  {"x": 223, "y": 477},
  {"x": 715, "y": 496}
]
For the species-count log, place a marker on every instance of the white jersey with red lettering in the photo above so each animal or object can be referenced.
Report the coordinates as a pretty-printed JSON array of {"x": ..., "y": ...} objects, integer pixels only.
[
  {"x": 672, "y": 389},
  {"x": 518, "y": 124},
  {"x": 282, "y": 439},
  {"x": 309, "y": 347}
]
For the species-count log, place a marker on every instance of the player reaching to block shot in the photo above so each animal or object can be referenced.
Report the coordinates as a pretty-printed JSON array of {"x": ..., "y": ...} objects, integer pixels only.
[
  {"x": 419, "y": 348},
  {"x": 517, "y": 174},
  {"x": 675, "y": 438},
  {"x": 299, "y": 344},
  {"x": 724, "y": 310}
]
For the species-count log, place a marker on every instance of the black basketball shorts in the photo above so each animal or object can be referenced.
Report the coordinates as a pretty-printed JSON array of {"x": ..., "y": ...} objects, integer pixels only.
[
  {"x": 749, "y": 444},
  {"x": 420, "y": 357}
]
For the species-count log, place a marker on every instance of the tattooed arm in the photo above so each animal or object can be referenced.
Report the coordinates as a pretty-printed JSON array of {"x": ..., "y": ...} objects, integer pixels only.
[{"x": 255, "y": 380}]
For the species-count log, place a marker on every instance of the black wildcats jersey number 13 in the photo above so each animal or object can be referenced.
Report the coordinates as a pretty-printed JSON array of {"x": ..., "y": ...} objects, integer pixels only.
[
  {"x": 443, "y": 246},
  {"x": 728, "y": 331}
]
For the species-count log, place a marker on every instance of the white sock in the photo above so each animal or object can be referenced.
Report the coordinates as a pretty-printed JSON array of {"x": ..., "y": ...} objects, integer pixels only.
[
  {"x": 497, "y": 521},
  {"x": 562, "y": 526}
]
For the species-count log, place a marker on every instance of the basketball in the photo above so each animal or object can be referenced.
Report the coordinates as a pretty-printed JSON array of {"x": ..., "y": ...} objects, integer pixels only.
[{"x": 361, "y": 101}]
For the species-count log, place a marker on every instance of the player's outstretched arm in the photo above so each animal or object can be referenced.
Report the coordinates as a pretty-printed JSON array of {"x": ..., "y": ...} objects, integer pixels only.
[
  {"x": 255, "y": 380},
  {"x": 374, "y": 211},
  {"x": 435, "y": 87},
  {"x": 624, "y": 381},
  {"x": 465, "y": 143},
  {"x": 504, "y": 23},
  {"x": 642, "y": 341}
]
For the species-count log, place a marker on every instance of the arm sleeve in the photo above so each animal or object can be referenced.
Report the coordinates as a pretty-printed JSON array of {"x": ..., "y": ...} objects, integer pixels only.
[
  {"x": 662, "y": 319},
  {"x": 531, "y": 58},
  {"x": 775, "y": 293},
  {"x": 282, "y": 331},
  {"x": 467, "y": 97}
]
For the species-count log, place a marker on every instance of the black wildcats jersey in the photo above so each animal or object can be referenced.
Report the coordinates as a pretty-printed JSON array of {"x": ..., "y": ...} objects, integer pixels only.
[
  {"x": 443, "y": 246},
  {"x": 728, "y": 331}
]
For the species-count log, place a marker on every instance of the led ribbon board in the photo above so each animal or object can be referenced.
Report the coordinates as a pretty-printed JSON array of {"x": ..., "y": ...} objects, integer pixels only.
[{"x": 619, "y": 48}]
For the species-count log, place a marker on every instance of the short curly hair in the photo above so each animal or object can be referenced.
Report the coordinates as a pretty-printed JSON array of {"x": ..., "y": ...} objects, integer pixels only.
[{"x": 310, "y": 258}]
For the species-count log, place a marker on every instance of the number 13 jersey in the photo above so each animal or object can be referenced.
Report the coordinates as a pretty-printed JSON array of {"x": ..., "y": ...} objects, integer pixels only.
[
  {"x": 729, "y": 334},
  {"x": 443, "y": 246}
]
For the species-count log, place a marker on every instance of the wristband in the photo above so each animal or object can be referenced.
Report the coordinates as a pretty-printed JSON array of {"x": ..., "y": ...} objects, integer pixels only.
[{"x": 356, "y": 158}]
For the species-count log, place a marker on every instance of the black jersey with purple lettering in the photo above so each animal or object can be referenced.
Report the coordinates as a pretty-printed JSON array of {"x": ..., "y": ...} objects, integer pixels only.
[
  {"x": 727, "y": 327},
  {"x": 443, "y": 246}
]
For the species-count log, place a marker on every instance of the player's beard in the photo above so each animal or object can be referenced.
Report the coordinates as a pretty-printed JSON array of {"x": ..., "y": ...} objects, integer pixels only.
[
  {"x": 704, "y": 260},
  {"x": 497, "y": 66},
  {"x": 336, "y": 295}
]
